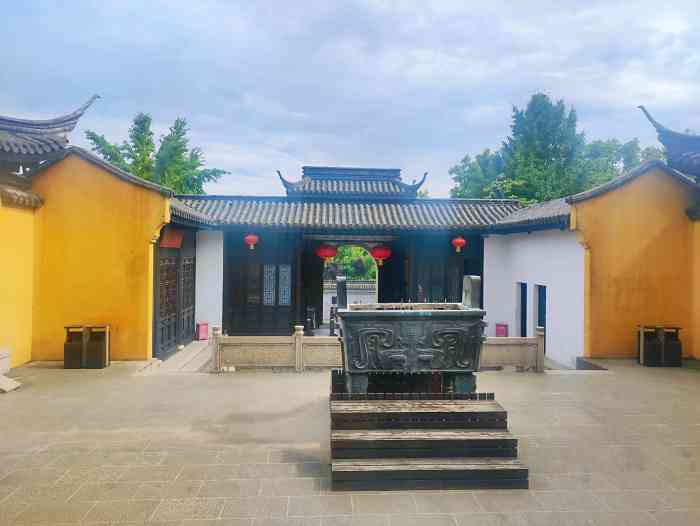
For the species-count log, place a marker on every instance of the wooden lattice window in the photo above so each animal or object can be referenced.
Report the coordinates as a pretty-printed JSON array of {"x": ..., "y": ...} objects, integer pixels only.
[
  {"x": 285, "y": 285},
  {"x": 168, "y": 287},
  {"x": 188, "y": 282},
  {"x": 269, "y": 282}
]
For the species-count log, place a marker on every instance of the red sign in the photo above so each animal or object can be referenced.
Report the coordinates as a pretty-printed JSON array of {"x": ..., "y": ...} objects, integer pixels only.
[{"x": 171, "y": 238}]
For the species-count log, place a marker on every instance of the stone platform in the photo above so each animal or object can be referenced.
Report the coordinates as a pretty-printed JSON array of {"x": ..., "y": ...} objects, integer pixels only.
[{"x": 399, "y": 441}]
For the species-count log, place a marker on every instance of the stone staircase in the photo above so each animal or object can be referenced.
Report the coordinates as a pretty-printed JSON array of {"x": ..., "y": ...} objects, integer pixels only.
[{"x": 433, "y": 441}]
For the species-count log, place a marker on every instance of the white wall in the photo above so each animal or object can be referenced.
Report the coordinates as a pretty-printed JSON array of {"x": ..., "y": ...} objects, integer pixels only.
[
  {"x": 209, "y": 277},
  {"x": 549, "y": 257},
  {"x": 362, "y": 295}
]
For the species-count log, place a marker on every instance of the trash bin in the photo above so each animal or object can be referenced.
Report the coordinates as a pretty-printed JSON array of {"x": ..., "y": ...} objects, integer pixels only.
[
  {"x": 86, "y": 347},
  {"x": 73, "y": 348},
  {"x": 659, "y": 346},
  {"x": 202, "y": 331},
  {"x": 97, "y": 347}
]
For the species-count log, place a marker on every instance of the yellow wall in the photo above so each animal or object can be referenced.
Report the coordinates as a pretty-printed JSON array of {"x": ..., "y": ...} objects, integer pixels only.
[
  {"x": 94, "y": 244},
  {"x": 695, "y": 322},
  {"x": 16, "y": 269},
  {"x": 641, "y": 263}
]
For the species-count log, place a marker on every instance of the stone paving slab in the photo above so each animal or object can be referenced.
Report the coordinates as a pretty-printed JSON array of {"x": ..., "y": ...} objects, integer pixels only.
[{"x": 251, "y": 449}]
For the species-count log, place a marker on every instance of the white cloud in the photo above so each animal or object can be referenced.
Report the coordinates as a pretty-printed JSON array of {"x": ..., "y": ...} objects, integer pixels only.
[{"x": 409, "y": 84}]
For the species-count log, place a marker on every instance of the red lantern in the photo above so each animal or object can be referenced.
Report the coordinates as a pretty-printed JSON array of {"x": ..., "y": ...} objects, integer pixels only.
[
  {"x": 326, "y": 252},
  {"x": 380, "y": 253},
  {"x": 251, "y": 240},
  {"x": 459, "y": 242}
]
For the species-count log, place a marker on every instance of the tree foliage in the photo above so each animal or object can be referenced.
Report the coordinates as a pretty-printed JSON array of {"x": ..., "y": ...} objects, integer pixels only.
[
  {"x": 545, "y": 157},
  {"x": 353, "y": 262},
  {"x": 172, "y": 164}
]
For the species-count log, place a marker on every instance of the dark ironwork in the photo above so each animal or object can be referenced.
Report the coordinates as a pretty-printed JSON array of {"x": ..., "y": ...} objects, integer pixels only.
[
  {"x": 341, "y": 290},
  {"x": 416, "y": 339},
  {"x": 411, "y": 338}
]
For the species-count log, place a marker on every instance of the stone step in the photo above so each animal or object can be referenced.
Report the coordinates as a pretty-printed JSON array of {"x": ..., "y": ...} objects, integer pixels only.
[
  {"x": 417, "y": 414},
  {"x": 416, "y": 443},
  {"x": 428, "y": 473}
]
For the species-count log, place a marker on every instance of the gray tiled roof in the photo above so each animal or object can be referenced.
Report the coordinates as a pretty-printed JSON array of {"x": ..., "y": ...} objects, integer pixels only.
[
  {"x": 682, "y": 149},
  {"x": 416, "y": 214},
  {"x": 555, "y": 212},
  {"x": 180, "y": 211},
  {"x": 351, "y": 183},
  {"x": 308, "y": 186},
  {"x": 628, "y": 177},
  {"x": 26, "y": 139}
]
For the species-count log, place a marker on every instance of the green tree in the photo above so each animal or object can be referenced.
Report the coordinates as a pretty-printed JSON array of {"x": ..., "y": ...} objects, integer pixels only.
[
  {"x": 545, "y": 157},
  {"x": 173, "y": 164},
  {"x": 543, "y": 149},
  {"x": 475, "y": 177},
  {"x": 652, "y": 153},
  {"x": 353, "y": 262}
]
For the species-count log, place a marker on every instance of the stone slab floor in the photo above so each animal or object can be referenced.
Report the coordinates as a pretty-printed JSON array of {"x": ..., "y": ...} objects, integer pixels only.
[{"x": 251, "y": 448}]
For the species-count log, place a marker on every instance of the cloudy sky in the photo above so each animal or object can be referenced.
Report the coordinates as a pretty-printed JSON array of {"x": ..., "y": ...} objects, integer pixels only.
[{"x": 412, "y": 85}]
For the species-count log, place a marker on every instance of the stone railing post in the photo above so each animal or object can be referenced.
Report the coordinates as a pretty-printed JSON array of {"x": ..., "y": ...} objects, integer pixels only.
[
  {"x": 298, "y": 348},
  {"x": 540, "y": 335},
  {"x": 218, "y": 354}
]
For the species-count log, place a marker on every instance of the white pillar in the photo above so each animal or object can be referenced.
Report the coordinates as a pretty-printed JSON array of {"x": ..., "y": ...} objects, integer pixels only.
[{"x": 209, "y": 278}]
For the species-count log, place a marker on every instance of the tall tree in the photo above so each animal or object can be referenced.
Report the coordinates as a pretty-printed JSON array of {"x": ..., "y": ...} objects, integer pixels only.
[
  {"x": 173, "y": 164},
  {"x": 545, "y": 157},
  {"x": 476, "y": 177},
  {"x": 543, "y": 149}
]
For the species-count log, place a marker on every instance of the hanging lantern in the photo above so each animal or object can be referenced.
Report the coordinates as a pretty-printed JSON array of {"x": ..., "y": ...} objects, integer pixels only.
[
  {"x": 251, "y": 240},
  {"x": 380, "y": 253},
  {"x": 459, "y": 243},
  {"x": 327, "y": 253}
]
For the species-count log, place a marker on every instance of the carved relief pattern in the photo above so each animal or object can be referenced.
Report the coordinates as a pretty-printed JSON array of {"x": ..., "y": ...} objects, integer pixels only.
[
  {"x": 414, "y": 345},
  {"x": 372, "y": 344}
]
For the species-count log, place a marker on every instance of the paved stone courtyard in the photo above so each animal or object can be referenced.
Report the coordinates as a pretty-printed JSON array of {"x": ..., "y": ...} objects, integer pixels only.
[{"x": 251, "y": 448}]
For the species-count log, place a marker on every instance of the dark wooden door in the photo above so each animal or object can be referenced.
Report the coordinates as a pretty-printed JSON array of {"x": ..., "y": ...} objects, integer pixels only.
[
  {"x": 166, "y": 322},
  {"x": 174, "y": 309},
  {"x": 259, "y": 286},
  {"x": 187, "y": 284}
]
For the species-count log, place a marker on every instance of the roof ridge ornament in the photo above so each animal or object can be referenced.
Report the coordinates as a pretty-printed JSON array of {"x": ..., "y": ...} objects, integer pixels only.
[
  {"x": 682, "y": 148},
  {"x": 288, "y": 185},
  {"x": 25, "y": 143},
  {"x": 656, "y": 124},
  {"x": 414, "y": 186},
  {"x": 55, "y": 126}
]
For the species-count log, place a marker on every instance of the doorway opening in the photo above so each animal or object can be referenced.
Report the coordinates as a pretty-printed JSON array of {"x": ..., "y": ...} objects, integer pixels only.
[
  {"x": 541, "y": 310},
  {"x": 361, "y": 271},
  {"x": 521, "y": 308}
]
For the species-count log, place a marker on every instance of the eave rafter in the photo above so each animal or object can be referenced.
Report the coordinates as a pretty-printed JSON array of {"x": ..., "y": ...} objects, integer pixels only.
[{"x": 682, "y": 149}]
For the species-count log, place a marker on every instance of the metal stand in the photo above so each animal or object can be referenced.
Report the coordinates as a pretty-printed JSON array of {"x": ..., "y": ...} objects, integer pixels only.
[{"x": 356, "y": 383}]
